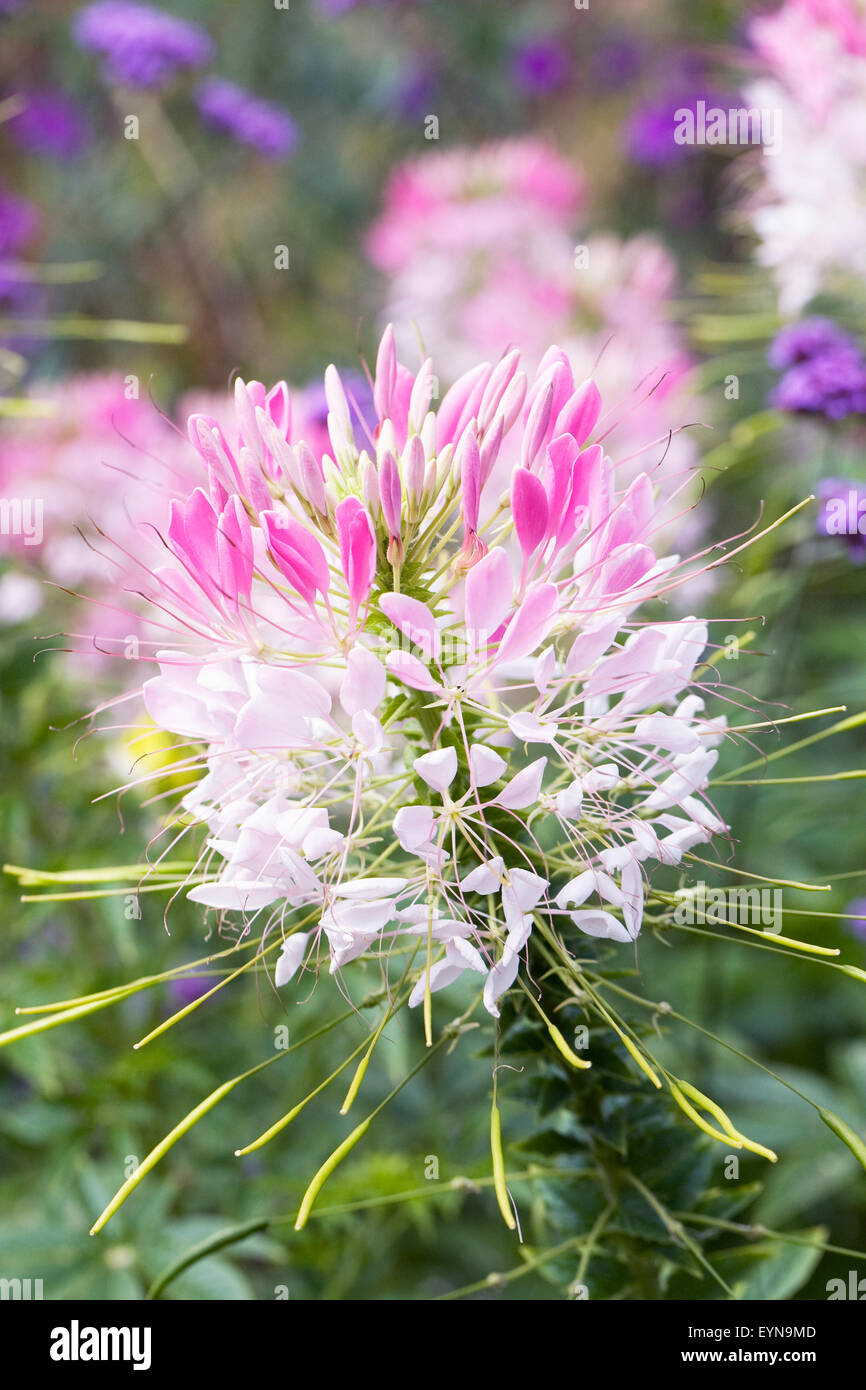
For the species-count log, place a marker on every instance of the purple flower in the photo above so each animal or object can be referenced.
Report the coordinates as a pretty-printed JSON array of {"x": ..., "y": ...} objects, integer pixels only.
[
  {"x": 246, "y": 118},
  {"x": 649, "y": 131},
  {"x": 857, "y": 926},
  {"x": 50, "y": 124},
  {"x": 842, "y": 513},
  {"x": 19, "y": 223},
  {"x": 826, "y": 371},
  {"x": 141, "y": 46},
  {"x": 802, "y": 341},
  {"x": 185, "y": 989},
  {"x": 540, "y": 66}
]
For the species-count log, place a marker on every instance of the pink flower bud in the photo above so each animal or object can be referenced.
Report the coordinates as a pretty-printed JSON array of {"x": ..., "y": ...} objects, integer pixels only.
[
  {"x": 529, "y": 507},
  {"x": 580, "y": 413},
  {"x": 414, "y": 464},
  {"x": 500, "y": 379},
  {"x": 460, "y": 404},
  {"x": 422, "y": 395},
  {"x": 357, "y": 551},
  {"x": 370, "y": 485},
  {"x": 468, "y": 462},
  {"x": 312, "y": 478},
  {"x": 386, "y": 374},
  {"x": 278, "y": 404},
  {"x": 245, "y": 410},
  {"x": 298, "y": 555},
  {"x": 537, "y": 425},
  {"x": 390, "y": 494}
]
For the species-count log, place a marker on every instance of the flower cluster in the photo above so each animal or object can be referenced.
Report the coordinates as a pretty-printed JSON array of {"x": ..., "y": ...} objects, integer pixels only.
[
  {"x": 843, "y": 514},
  {"x": 426, "y": 713},
  {"x": 98, "y": 461},
  {"x": 246, "y": 118},
  {"x": 480, "y": 250},
  {"x": 93, "y": 454},
  {"x": 477, "y": 247},
  {"x": 145, "y": 47},
  {"x": 49, "y": 123},
  {"x": 814, "y": 53},
  {"x": 141, "y": 46},
  {"x": 824, "y": 370}
]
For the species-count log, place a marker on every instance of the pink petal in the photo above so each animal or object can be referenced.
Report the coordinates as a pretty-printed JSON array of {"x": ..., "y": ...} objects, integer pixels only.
[
  {"x": 299, "y": 556},
  {"x": 278, "y": 404},
  {"x": 487, "y": 878},
  {"x": 585, "y": 470},
  {"x": 530, "y": 624},
  {"x": 440, "y": 975},
  {"x": 528, "y": 729},
  {"x": 386, "y": 374},
  {"x": 363, "y": 686},
  {"x": 390, "y": 493},
  {"x": 624, "y": 568},
  {"x": 239, "y": 896},
  {"x": 295, "y": 690},
  {"x": 460, "y": 404},
  {"x": 500, "y": 379},
  {"x": 357, "y": 550},
  {"x": 235, "y": 551},
  {"x": 537, "y": 425},
  {"x": 365, "y": 889},
  {"x": 245, "y": 410},
  {"x": 489, "y": 592},
  {"x": 561, "y": 456},
  {"x": 414, "y": 620},
  {"x": 461, "y": 952},
  {"x": 590, "y": 645},
  {"x": 468, "y": 462},
  {"x": 527, "y": 887},
  {"x": 529, "y": 508},
  {"x": 523, "y": 790},
  {"x": 485, "y": 765},
  {"x": 580, "y": 413},
  {"x": 410, "y": 670},
  {"x": 413, "y": 826}
]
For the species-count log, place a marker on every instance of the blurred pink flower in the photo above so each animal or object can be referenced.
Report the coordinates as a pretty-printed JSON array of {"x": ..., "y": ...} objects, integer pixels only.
[
  {"x": 805, "y": 44},
  {"x": 483, "y": 253},
  {"x": 475, "y": 241},
  {"x": 814, "y": 53}
]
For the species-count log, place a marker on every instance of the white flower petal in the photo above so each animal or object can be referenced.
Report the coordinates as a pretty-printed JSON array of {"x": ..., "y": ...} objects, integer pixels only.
[
  {"x": 413, "y": 826},
  {"x": 290, "y": 957},
  {"x": 438, "y": 768},
  {"x": 363, "y": 686},
  {"x": 485, "y": 879},
  {"x": 523, "y": 789},
  {"x": 485, "y": 765},
  {"x": 601, "y": 924},
  {"x": 368, "y": 888},
  {"x": 529, "y": 729}
]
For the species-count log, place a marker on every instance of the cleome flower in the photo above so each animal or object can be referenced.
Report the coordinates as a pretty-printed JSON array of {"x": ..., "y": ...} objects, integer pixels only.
[{"x": 427, "y": 716}]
